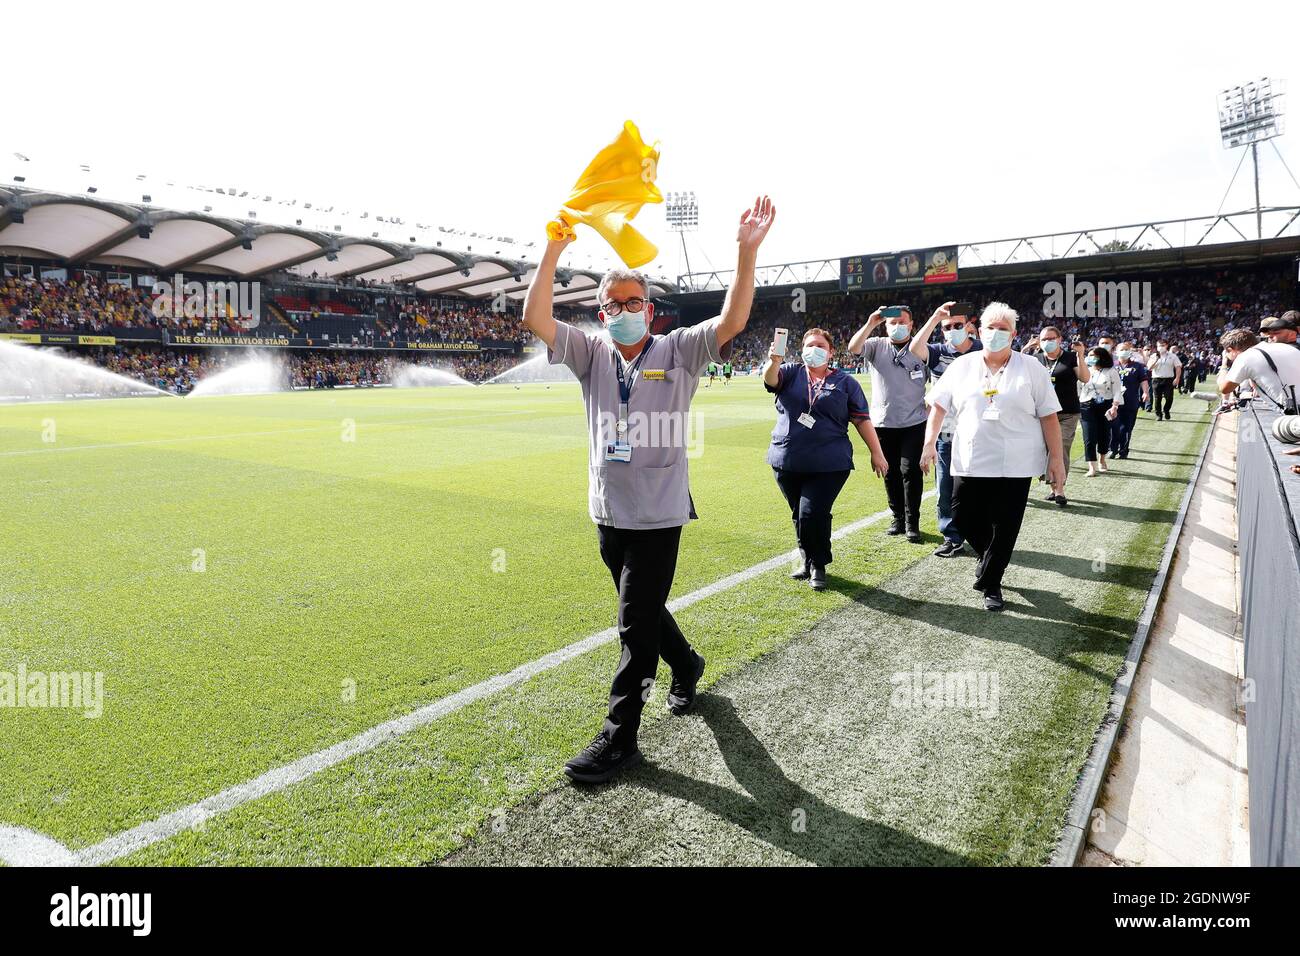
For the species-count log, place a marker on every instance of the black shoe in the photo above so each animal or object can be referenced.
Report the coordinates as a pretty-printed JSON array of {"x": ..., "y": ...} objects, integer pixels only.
[
  {"x": 601, "y": 759},
  {"x": 1061, "y": 501},
  {"x": 948, "y": 549},
  {"x": 896, "y": 526},
  {"x": 801, "y": 573},
  {"x": 993, "y": 600},
  {"x": 1051, "y": 497},
  {"x": 681, "y": 692},
  {"x": 914, "y": 536},
  {"x": 818, "y": 580}
]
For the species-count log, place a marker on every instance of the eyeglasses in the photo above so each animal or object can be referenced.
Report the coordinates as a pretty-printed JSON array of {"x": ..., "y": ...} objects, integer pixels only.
[
  {"x": 613, "y": 307},
  {"x": 954, "y": 325}
]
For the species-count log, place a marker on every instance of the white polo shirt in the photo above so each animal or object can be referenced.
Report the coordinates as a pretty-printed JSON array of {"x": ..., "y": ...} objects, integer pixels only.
[{"x": 1010, "y": 446}]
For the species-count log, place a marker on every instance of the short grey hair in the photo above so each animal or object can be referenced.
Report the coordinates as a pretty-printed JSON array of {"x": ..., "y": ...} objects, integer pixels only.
[
  {"x": 999, "y": 310},
  {"x": 623, "y": 275}
]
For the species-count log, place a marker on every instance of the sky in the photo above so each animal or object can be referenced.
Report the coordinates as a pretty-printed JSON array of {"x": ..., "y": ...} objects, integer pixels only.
[{"x": 872, "y": 128}]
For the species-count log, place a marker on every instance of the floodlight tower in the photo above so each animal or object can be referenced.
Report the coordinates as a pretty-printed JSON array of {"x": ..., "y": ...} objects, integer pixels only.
[
  {"x": 1249, "y": 115},
  {"x": 683, "y": 216}
]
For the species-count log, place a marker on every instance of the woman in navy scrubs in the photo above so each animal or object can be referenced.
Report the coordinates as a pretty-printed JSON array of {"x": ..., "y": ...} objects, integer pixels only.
[{"x": 811, "y": 453}]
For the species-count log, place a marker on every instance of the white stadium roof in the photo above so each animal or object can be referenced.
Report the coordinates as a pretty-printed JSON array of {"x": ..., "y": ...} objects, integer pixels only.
[{"x": 83, "y": 230}]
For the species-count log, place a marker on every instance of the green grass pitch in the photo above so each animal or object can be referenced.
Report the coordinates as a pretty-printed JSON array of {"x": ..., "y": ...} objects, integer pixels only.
[{"x": 261, "y": 577}]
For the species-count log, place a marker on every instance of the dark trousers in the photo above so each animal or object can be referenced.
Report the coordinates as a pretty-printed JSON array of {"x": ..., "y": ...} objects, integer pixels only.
[
  {"x": 988, "y": 512},
  {"x": 1096, "y": 429},
  {"x": 1162, "y": 390},
  {"x": 642, "y": 563},
  {"x": 811, "y": 496},
  {"x": 903, "y": 484},
  {"x": 1121, "y": 429}
]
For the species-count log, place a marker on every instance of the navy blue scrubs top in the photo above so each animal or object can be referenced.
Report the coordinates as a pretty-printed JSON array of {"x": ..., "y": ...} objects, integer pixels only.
[{"x": 825, "y": 446}]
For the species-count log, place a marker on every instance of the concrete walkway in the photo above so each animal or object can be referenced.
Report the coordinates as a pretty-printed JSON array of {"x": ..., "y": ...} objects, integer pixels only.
[{"x": 1176, "y": 791}]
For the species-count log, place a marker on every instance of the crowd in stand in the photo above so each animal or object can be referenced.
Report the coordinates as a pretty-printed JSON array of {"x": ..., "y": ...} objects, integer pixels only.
[
  {"x": 416, "y": 322},
  {"x": 86, "y": 304}
]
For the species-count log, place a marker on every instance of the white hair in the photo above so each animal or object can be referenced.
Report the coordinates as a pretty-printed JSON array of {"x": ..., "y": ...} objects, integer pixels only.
[{"x": 999, "y": 310}]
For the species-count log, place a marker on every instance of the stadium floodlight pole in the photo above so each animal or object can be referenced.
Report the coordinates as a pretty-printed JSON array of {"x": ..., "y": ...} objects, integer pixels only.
[
  {"x": 683, "y": 216},
  {"x": 1248, "y": 115}
]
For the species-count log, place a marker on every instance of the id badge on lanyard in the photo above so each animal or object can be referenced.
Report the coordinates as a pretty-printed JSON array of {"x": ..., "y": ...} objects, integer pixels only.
[
  {"x": 991, "y": 411},
  {"x": 806, "y": 419},
  {"x": 620, "y": 449}
]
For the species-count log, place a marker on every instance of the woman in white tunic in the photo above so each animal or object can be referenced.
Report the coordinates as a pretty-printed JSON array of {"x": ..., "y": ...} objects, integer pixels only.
[{"x": 1007, "y": 434}]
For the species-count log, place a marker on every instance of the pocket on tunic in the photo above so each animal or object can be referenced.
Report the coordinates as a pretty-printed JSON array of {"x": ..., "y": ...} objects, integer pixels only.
[
  {"x": 598, "y": 493},
  {"x": 662, "y": 494}
]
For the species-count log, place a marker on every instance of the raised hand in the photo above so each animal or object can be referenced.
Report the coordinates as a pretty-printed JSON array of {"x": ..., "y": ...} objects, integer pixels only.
[{"x": 754, "y": 223}]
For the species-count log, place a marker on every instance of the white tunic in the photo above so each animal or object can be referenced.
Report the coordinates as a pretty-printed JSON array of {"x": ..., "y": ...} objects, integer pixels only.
[{"x": 1010, "y": 446}]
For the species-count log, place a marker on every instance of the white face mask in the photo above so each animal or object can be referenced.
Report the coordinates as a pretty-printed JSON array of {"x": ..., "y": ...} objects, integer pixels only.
[
  {"x": 899, "y": 333},
  {"x": 814, "y": 356},
  {"x": 955, "y": 337},
  {"x": 996, "y": 339},
  {"x": 1124, "y": 354}
]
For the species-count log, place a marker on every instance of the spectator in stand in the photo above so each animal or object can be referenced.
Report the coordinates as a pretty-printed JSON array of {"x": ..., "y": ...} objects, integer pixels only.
[{"x": 1282, "y": 330}]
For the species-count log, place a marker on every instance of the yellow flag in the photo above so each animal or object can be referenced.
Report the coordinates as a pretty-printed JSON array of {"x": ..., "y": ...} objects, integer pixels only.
[{"x": 609, "y": 194}]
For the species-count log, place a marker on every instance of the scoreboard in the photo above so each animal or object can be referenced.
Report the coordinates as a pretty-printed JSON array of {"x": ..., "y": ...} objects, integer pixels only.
[{"x": 891, "y": 270}]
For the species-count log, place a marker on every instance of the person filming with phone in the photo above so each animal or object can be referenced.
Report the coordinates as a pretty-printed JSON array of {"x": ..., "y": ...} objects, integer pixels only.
[
  {"x": 811, "y": 453},
  {"x": 898, "y": 409}
]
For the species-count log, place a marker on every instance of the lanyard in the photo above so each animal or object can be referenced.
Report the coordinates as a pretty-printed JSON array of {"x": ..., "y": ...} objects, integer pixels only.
[
  {"x": 813, "y": 395},
  {"x": 625, "y": 382},
  {"x": 990, "y": 382}
]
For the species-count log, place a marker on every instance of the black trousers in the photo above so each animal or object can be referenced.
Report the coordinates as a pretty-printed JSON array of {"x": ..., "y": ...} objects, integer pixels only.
[
  {"x": 642, "y": 564},
  {"x": 988, "y": 512},
  {"x": 904, "y": 483},
  {"x": 1162, "y": 390},
  {"x": 811, "y": 496},
  {"x": 1096, "y": 429}
]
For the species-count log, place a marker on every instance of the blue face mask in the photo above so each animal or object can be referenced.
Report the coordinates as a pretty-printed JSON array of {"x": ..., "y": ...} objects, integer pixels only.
[
  {"x": 1092, "y": 361},
  {"x": 955, "y": 337},
  {"x": 814, "y": 356},
  {"x": 899, "y": 333},
  {"x": 997, "y": 339},
  {"x": 1051, "y": 345},
  {"x": 626, "y": 328}
]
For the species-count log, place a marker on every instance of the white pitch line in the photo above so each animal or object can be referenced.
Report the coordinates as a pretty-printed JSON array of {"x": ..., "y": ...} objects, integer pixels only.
[{"x": 188, "y": 817}]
